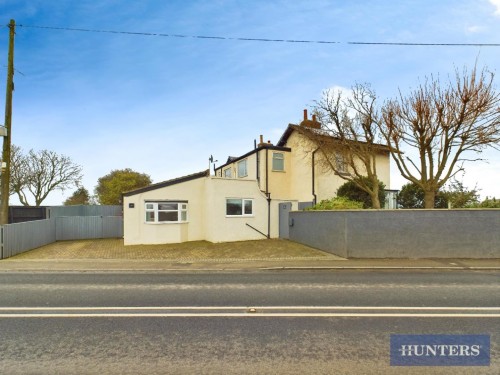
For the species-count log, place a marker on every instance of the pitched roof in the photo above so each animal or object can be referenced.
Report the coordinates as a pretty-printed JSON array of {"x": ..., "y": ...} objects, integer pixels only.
[
  {"x": 163, "y": 184},
  {"x": 292, "y": 127},
  {"x": 288, "y": 132}
]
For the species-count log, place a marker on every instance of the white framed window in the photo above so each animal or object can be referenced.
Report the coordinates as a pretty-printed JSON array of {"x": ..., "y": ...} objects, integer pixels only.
[
  {"x": 166, "y": 212},
  {"x": 340, "y": 162},
  {"x": 242, "y": 168},
  {"x": 227, "y": 173},
  {"x": 239, "y": 207},
  {"x": 278, "y": 161}
]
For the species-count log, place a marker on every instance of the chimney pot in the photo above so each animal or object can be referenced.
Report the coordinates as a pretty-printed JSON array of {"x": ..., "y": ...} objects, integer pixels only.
[
  {"x": 314, "y": 118},
  {"x": 305, "y": 114}
]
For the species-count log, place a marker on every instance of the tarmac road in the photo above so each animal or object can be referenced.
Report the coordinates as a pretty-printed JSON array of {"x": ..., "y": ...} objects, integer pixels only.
[{"x": 265, "y": 322}]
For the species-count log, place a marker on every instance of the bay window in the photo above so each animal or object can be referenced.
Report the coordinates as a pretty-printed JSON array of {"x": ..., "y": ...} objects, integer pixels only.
[{"x": 166, "y": 212}]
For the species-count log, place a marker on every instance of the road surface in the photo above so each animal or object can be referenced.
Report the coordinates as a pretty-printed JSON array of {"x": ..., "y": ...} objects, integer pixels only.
[{"x": 267, "y": 322}]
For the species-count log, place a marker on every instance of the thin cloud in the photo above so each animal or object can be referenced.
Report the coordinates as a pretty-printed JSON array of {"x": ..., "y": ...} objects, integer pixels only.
[
  {"x": 496, "y": 4},
  {"x": 474, "y": 29},
  {"x": 335, "y": 90}
]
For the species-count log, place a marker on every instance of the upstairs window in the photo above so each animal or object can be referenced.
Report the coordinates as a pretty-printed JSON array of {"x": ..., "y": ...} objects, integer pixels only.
[
  {"x": 227, "y": 173},
  {"x": 278, "y": 161},
  {"x": 239, "y": 207},
  {"x": 166, "y": 212},
  {"x": 340, "y": 163},
  {"x": 242, "y": 168}
]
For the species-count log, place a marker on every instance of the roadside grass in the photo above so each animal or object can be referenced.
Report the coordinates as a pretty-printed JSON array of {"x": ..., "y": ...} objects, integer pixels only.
[{"x": 115, "y": 249}]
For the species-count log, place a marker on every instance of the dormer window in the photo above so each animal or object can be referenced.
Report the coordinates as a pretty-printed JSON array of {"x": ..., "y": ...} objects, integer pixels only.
[{"x": 242, "y": 168}]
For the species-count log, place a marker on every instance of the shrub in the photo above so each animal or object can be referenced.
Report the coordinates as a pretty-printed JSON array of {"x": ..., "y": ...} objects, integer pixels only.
[
  {"x": 459, "y": 196},
  {"x": 351, "y": 191},
  {"x": 337, "y": 203},
  {"x": 412, "y": 196},
  {"x": 488, "y": 203}
]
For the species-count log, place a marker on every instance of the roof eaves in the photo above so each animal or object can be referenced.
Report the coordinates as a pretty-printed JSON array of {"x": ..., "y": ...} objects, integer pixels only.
[
  {"x": 163, "y": 184},
  {"x": 286, "y": 135}
]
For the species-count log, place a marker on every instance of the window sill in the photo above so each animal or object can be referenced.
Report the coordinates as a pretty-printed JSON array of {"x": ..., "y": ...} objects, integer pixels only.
[
  {"x": 166, "y": 222},
  {"x": 240, "y": 216}
]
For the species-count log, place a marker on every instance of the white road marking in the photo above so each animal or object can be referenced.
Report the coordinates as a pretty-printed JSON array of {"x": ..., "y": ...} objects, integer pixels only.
[
  {"x": 249, "y": 311},
  {"x": 211, "y": 287},
  {"x": 97, "y": 308},
  {"x": 248, "y": 315}
]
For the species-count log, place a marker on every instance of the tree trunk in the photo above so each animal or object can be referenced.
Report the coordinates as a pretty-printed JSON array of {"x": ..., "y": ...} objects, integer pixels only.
[
  {"x": 429, "y": 199},
  {"x": 375, "y": 201},
  {"x": 22, "y": 199},
  {"x": 374, "y": 195}
]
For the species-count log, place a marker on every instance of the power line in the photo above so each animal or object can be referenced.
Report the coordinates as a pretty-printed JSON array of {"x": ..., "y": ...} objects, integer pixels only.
[
  {"x": 428, "y": 44},
  {"x": 260, "y": 39},
  {"x": 179, "y": 35}
]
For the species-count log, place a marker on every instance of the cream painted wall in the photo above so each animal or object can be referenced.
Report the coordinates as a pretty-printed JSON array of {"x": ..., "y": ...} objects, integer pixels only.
[
  {"x": 279, "y": 181},
  {"x": 219, "y": 227},
  {"x": 384, "y": 169},
  {"x": 301, "y": 167},
  {"x": 137, "y": 231},
  {"x": 251, "y": 168},
  {"x": 326, "y": 181},
  {"x": 207, "y": 218}
]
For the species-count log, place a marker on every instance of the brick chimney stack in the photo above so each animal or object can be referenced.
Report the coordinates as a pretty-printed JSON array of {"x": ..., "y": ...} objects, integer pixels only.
[
  {"x": 310, "y": 123},
  {"x": 262, "y": 143}
]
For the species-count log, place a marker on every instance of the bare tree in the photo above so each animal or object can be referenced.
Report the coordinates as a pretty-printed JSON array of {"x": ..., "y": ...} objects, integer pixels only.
[
  {"x": 39, "y": 173},
  {"x": 18, "y": 167},
  {"x": 442, "y": 123},
  {"x": 348, "y": 137}
]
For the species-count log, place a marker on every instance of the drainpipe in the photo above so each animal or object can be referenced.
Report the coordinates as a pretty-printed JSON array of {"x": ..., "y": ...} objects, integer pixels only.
[
  {"x": 315, "y": 199},
  {"x": 267, "y": 171},
  {"x": 269, "y": 216},
  {"x": 258, "y": 167},
  {"x": 268, "y": 194}
]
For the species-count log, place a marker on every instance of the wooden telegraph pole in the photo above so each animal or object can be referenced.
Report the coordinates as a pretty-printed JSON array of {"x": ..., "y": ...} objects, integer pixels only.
[{"x": 5, "y": 173}]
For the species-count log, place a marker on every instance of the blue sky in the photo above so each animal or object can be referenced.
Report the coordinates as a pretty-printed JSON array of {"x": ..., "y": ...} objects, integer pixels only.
[{"x": 163, "y": 105}]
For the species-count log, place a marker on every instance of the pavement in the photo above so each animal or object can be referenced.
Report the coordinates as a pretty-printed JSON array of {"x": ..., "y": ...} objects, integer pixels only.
[
  {"x": 111, "y": 255},
  {"x": 134, "y": 265}
]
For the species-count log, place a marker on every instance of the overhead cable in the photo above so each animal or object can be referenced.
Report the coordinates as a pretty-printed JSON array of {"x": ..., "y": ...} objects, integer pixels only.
[{"x": 261, "y": 39}]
